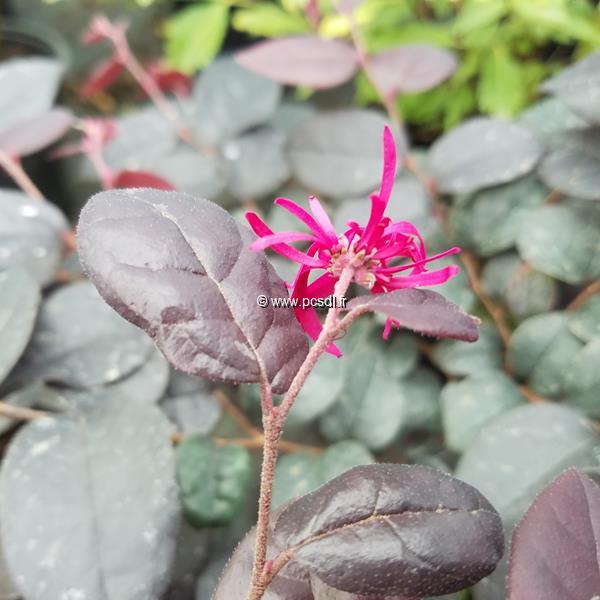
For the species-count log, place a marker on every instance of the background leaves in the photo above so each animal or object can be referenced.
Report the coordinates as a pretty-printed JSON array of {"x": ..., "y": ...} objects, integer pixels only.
[{"x": 58, "y": 508}]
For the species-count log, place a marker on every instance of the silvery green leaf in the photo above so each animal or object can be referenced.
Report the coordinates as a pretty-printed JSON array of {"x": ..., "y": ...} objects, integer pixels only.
[{"x": 59, "y": 508}]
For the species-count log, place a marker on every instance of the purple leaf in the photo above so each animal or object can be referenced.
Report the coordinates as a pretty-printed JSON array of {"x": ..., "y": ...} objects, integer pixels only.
[
  {"x": 299, "y": 60},
  {"x": 555, "y": 553},
  {"x": 392, "y": 529},
  {"x": 322, "y": 591},
  {"x": 422, "y": 311},
  {"x": 180, "y": 268},
  {"x": 411, "y": 69},
  {"x": 291, "y": 583},
  {"x": 31, "y": 135}
]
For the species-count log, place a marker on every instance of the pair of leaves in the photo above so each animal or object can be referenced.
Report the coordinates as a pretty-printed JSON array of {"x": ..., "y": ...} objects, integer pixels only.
[
  {"x": 319, "y": 63},
  {"x": 384, "y": 530},
  {"x": 57, "y": 509}
]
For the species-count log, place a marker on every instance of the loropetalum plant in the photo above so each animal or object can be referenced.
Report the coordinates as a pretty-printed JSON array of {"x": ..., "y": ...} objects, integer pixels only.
[
  {"x": 197, "y": 295},
  {"x": 517, "y": 196}
]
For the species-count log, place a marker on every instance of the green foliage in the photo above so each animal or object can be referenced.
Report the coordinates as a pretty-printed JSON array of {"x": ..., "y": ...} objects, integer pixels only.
[
  {"x": 195, "y": 35},
  {"x": 300, "y": 473},
  {"x": 268, "y": 20},
  {"x": 213, "y": 480}
]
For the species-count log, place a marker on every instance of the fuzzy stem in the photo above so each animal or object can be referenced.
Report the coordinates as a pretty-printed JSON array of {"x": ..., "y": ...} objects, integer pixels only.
[
  {"x": 272, "y": 432},
  {"x": 16, "y": 172},
  {"x": 273, "y": 422}
]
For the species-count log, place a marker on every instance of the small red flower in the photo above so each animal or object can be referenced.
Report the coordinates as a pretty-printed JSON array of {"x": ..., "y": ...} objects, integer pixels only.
[{"x": 384, "y": 255}]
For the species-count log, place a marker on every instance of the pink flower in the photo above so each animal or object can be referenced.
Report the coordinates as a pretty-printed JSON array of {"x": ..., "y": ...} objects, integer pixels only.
[{"x": 383, "y": 255}]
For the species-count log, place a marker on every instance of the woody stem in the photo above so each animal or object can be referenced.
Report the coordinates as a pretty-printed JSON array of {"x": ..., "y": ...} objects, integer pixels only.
[{"x": 273, "y": 423}]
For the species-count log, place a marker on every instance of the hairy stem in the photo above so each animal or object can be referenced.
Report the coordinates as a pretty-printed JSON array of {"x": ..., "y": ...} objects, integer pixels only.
[
  {"x": 272, "y": 428},
  {"x": 273, "y": 422},
  {"x": 13, "y": 168}
]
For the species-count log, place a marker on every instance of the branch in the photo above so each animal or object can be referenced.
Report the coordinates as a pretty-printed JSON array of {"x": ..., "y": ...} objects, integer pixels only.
[
  {"x": 20, "y": 413},
  {"x": 584, "y": 295},
  {"x": 16, "y": 172}
]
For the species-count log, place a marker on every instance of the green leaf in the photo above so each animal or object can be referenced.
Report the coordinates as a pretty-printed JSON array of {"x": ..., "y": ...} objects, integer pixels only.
[
  {"x": 300, "y": 473},
  {"x": 195, "y": 35},
  {"x": 558, "y": 19},
  {"x": 462, "y": 358},
  {"x": 268, "y": 20},
  {"x": 518, "y": 452},
  {"x": 470, "y": 404},
  {"x": 372, "y": 406},
  {"x": 550, "y": 117},
  {"x": 321, "y": 390},
  {"x": 489, "y": 221},
  {"x": 582, "y": 381},
  {"x": 19, "y": 303},
  {"x": 213, "y": 480},
  {"x": 562, "y": 241},
  {"x": 501, "y": 90},
  {"x": 105, "y": 471},
  {"x": 476, "y": 15},
  {"x": 585, "y": 321},
  {"x": 422, "y": 391},
  {"x": 524, "y": 291},
  {"x": 541, "y": 350},
  {"x": 515, "y": 455}
]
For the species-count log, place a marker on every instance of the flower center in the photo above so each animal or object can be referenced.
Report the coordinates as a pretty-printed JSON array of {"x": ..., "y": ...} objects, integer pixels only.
[{"x": 344, "y": 256}]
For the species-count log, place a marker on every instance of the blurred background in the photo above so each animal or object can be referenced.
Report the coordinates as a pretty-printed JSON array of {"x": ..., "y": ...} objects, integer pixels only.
[{"x": 494, "y": 105}]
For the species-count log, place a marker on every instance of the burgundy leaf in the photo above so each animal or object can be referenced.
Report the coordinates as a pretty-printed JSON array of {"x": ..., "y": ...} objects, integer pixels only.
[
  {"x": 140, "y": 179},
  {"x": 291, "y": 583},
  {"x": 555, "y": 552},
  {"x": 299, "y": 60},
  {"x": 35, "y": 134},
  {"x": 392, "y": 529},
  {"x": 322, "y": 591},
  {"x": 102, "y": 77},
  {"x": 422, "y": 311},
  {"x": 173, "y": 81},
  {"x": 410, "y": 69},
  {"x": 180, "y": 268}
]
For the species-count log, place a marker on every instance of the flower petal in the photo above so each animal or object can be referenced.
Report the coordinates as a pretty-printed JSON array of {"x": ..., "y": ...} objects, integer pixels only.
[
  {"x": 306, "y": 218},
  {"x": 389, "y": 165},
  {"x": 282, "y": 237},
  {"x": 321, "y": 216},
  {"x": 426, "y": 278},
  {"x": 399, "y": 268},
  {"x": 308, "y": 317},
  {"x": 262, "y": 230}
]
